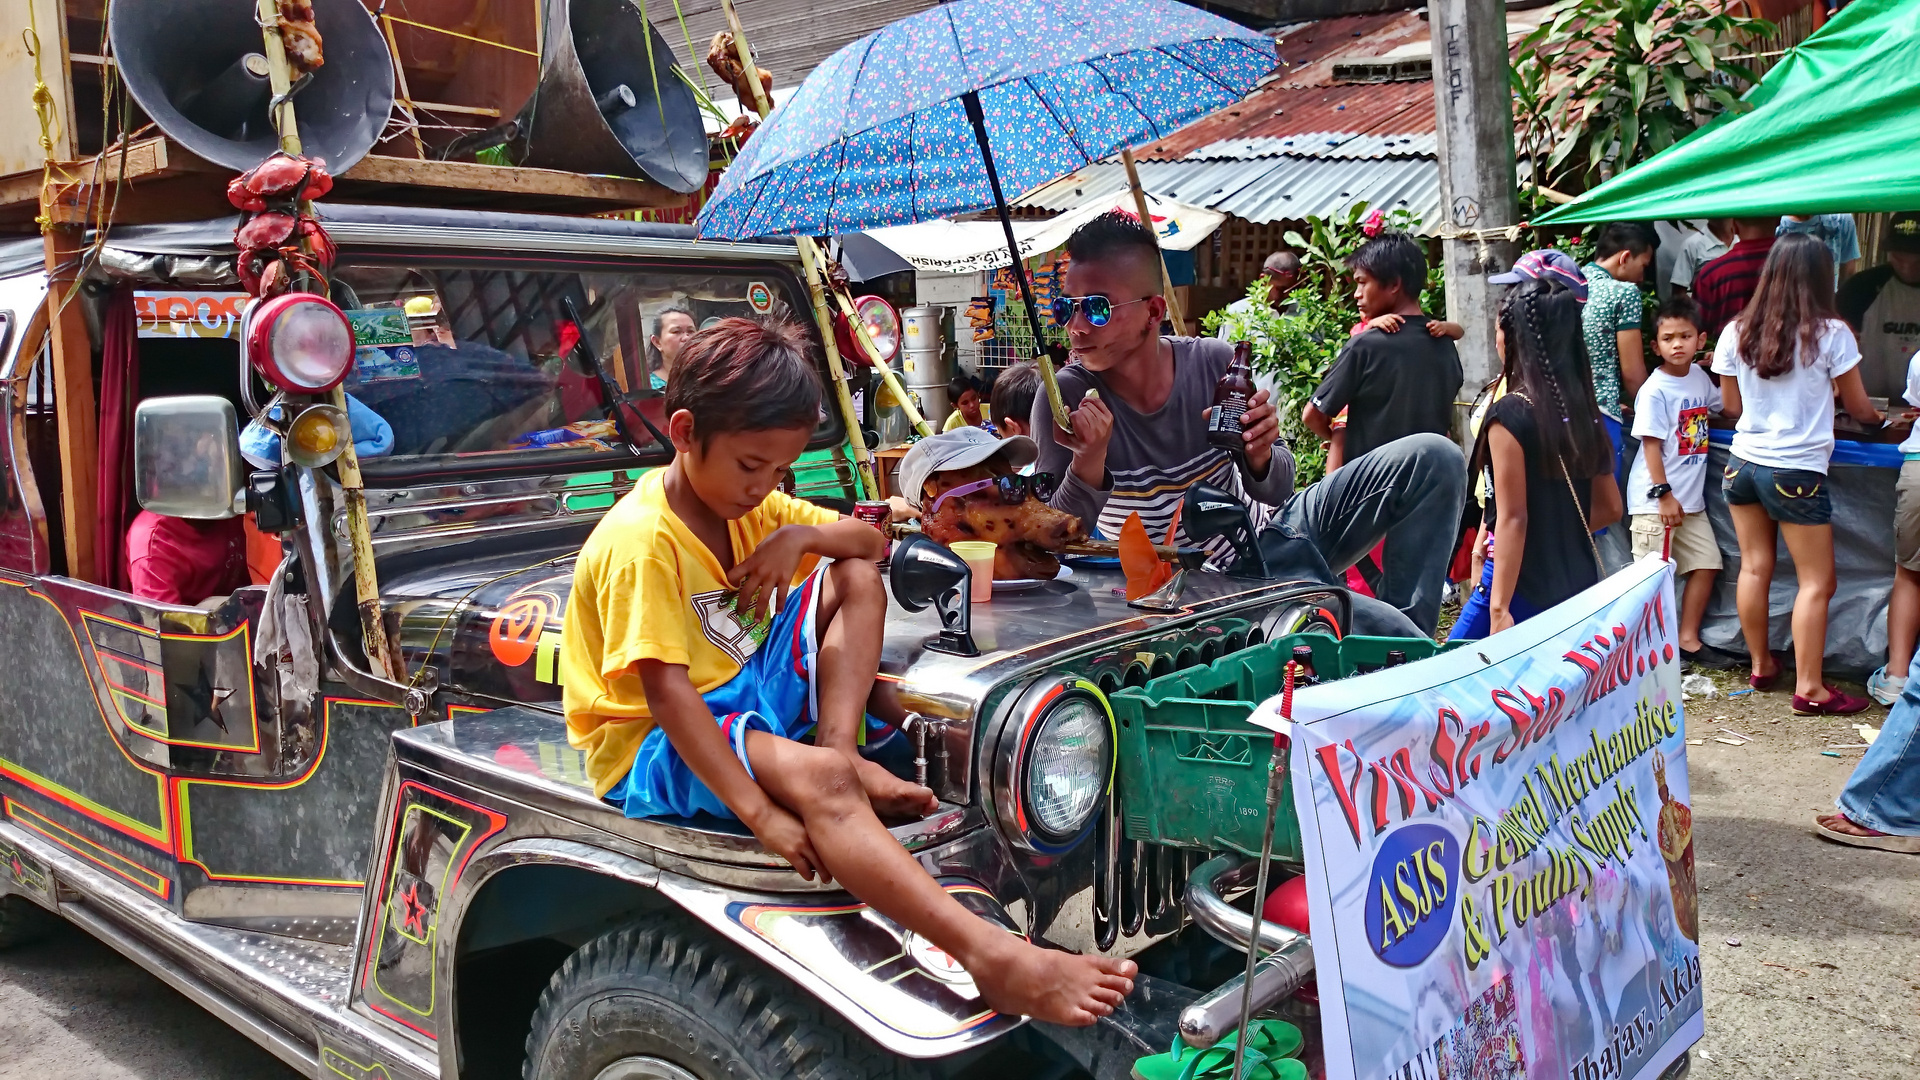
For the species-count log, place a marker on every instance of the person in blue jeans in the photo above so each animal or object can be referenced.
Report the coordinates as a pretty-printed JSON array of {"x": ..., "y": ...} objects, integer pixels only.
[
  {"x": 1880, "y": 806},
  {"x": 1782, "y": 360}
]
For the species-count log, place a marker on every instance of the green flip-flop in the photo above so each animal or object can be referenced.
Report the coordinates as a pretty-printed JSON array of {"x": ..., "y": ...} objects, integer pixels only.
[{"x": 1268, "y": 1057}]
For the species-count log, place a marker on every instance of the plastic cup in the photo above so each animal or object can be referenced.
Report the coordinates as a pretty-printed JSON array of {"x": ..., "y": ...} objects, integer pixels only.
[{"x": 979, "y": 556}]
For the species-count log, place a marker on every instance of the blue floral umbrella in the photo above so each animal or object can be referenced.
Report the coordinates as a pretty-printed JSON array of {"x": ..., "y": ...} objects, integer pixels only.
[{"x": 940, "y": 113}]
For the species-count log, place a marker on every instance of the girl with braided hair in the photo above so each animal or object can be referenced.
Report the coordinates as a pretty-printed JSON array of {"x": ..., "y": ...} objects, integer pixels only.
[{"x": 1551, "y": 463}]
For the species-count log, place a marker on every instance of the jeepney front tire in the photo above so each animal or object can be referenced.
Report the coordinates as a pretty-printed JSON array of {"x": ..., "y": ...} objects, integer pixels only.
[
  {"x": 672, "y": 991},
  {"x": 23, "y": 922}
]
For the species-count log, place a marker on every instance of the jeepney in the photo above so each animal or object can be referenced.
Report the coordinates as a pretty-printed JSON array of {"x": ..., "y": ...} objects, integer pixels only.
[{"x": 379, "y": 877}]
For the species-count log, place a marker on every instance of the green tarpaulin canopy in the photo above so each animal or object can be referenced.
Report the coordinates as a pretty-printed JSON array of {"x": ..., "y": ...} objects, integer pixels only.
[{"x": 1835, "y": 128}]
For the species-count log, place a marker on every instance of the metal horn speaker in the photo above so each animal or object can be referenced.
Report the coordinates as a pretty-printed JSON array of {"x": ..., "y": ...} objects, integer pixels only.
[
  {"x": 196, "y": 67},
  {"x": 601, "y": 109}
]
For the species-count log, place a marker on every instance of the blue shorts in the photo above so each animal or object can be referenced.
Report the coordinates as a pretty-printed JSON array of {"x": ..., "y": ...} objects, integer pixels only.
[
  {"x": 1789, "y": 496},
  {"x": 1476, "y": 618},
  {"x": 774, "y": 692},
  {"x": 1614, "y": 431}
]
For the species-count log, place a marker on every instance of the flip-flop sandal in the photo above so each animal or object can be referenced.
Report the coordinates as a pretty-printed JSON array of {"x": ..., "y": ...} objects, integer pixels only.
[
  {"x": 1216, "y": 1063},
  {"x": 1273, "y": 1040},
  {"x": 1905, "y": 845}
]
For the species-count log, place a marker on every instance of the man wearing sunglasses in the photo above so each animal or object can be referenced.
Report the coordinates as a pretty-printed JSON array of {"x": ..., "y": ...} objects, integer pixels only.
[{"x": 1140, "y": 443}]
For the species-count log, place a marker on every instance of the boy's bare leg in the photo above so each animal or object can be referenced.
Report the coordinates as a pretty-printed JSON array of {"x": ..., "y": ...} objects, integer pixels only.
[
  {"x": 1693, "y": 607},
  {"x": 850, "y": 623},
  {"x": 1014, "y": 976}
]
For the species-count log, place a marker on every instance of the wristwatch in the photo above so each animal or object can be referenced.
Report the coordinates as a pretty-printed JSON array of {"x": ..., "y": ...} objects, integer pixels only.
[{"x": 1659, "y": 490}]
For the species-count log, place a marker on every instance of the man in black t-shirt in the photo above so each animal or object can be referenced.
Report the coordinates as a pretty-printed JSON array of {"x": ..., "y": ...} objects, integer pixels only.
[
  {"x": 1883, "y": 307},
  {"x": 1398, "y": 376}
]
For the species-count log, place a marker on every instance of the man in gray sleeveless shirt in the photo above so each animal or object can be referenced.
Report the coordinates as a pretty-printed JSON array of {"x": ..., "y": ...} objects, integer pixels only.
[{"x": 1141, "y": 441}]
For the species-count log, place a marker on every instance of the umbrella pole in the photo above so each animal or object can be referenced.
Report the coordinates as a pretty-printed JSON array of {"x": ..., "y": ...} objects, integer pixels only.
[
  {"x": 971, "y": 100},
  {"x": 812, "y": 263},
  {"x": 1146, "y": 218}
]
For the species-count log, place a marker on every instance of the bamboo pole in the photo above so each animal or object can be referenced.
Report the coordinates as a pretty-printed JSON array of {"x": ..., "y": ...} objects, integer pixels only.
[
  {"x": 365, "y": 580},
  {"x": 815, "y": 266},
  {"x": 836, "y": 369},
  {"x": 865, "y": 341},
  {"x": 1146, "y": 218},
  {"x": 406, "y": 93}
]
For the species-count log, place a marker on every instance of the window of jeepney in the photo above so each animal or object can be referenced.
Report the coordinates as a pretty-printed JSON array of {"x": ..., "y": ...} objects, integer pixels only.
[{"x": 474, "y": 366}]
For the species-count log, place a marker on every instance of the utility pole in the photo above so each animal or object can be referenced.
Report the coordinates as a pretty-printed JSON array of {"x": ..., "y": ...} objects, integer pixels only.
[{"x": 1474, "y": 110}]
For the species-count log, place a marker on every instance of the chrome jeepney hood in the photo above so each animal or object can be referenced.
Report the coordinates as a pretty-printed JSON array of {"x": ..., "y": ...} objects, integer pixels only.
[{"x": 491, "y": 622}]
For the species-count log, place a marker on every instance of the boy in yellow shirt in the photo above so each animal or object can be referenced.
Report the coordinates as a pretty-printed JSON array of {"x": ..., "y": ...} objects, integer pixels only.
[{"x": 702, "y": 640}]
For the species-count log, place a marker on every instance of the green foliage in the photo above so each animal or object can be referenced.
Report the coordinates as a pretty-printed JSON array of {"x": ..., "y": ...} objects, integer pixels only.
[
  {"x": 1296, "y": 348},
  {"x": 1605, "y": 84}
]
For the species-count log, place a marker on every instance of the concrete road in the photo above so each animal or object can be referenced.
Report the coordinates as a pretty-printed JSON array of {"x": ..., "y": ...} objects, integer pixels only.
[
  {"x": 1825, "y": 980},
  {"x": 73, "y": 1009},
  {"x": 1823, "y": 985}
]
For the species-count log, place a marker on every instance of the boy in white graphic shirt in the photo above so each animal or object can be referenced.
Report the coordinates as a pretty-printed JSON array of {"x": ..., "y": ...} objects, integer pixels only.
[{"x": 1667, "y": 486}]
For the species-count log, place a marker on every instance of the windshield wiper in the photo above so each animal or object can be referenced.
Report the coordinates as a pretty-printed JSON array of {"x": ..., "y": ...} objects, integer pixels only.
[{"x": 617, "y": 400}]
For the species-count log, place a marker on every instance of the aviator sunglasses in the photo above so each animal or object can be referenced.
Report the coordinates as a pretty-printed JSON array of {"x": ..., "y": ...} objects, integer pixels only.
[
  {"x": 1013, "y": 490},
  {"x": 1099, "y": 308}
]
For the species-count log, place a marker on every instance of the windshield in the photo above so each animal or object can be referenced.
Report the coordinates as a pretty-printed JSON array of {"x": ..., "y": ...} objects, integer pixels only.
[{"x": 479, "y": 369}]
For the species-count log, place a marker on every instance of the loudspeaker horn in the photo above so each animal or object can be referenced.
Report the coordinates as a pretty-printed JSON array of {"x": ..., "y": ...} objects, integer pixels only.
[
  {"x": 601, "y": 109},
  {"x": 196, "y": 67}
]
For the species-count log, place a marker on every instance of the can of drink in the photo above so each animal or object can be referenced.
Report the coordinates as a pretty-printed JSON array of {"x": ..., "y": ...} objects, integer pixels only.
[{"x": 876, "y": 514}]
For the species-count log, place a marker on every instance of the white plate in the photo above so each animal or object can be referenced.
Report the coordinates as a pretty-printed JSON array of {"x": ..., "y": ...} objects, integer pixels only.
[{"x": 1028, "y": 583}]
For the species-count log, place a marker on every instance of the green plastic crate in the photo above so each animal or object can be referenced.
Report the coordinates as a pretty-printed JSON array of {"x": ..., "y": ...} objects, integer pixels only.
[{"x": 1193, "y": 770}]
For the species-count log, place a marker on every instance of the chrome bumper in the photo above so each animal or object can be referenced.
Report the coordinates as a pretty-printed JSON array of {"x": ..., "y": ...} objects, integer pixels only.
[{"x": 1287, "y": 965}]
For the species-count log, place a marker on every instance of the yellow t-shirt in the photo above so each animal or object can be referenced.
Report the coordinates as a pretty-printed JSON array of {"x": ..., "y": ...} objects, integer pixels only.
[
  {"x": 646, "y": 588},
  {"x": 954, "y": 420}
]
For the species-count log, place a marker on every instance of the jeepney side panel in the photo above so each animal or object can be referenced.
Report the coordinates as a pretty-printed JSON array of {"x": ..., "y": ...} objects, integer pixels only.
[
  {"x": 64, "y": 775},
  {"x": 140, "y": 740}
]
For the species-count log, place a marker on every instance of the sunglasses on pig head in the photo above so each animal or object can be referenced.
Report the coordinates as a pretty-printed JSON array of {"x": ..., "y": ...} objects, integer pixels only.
[
  {"x": 1098, "y": 308},
  {"x": 1013, "y": 490}
]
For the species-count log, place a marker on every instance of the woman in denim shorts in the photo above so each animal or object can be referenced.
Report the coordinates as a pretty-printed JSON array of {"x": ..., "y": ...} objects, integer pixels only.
[{"x": 1787, "y": 354}]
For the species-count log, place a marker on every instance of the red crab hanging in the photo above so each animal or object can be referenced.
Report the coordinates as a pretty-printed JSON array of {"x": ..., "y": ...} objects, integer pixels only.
[{"x": 280, "y": 239}]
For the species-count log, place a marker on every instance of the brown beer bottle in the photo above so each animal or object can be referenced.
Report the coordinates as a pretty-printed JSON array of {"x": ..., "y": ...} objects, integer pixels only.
[
  {"x": 1231, "y": 396},
  {"x": 1303, "y": 662}
]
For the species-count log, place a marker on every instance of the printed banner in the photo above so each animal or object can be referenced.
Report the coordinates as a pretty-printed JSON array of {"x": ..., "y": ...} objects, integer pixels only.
[
  {"x": 180, "y": 314},
  {"x": 1500, "y": 851}
]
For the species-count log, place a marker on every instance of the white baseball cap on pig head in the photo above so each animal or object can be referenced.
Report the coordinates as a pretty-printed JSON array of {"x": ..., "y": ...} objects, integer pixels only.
[{"x": 960, "y": 448}]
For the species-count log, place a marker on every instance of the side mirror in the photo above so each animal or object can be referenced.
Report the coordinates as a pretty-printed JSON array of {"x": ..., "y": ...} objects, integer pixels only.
[
  {"x": 1209, "y": 512},
  {"x": 186, "y": 457},
  {"x": 923, "y": 573}
]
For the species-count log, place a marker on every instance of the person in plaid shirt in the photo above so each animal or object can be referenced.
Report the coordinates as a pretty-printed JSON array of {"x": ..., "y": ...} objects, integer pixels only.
[{"x": 1723, "y": 286}]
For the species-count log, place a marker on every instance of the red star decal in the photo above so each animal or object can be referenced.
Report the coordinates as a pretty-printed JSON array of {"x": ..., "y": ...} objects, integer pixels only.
[
  {"x": 413, "y": 915},
  {"x": 18, "y": 870}
]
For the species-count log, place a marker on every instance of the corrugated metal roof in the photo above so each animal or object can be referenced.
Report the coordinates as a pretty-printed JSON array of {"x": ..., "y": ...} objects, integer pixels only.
[
  {"x": 1278, "y": 110},
  {"x": 1302, "y": 145},
  {"x": 1287, "y": 187},
  {"x": 1322, "y": 144}
]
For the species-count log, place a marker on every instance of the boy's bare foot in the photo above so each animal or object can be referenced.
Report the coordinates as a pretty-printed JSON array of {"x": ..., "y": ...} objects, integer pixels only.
[
  {"x": 1019, "y": 978},
  {"x": 890, "y": 795}
]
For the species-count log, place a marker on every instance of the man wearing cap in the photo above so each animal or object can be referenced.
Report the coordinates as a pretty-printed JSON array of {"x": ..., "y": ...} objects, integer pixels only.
[
  {"x": 1139, "y": 442},
  {"x": 1883, "y": 307},
  {"x": 1281, "y": 272}
]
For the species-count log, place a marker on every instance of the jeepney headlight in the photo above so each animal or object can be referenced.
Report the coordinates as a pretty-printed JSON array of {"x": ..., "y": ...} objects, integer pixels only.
[
  {"x": 301, "y": 342},
  {"x": 1068, "y": 766},
  {"x": 1053, "y": 762}
]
